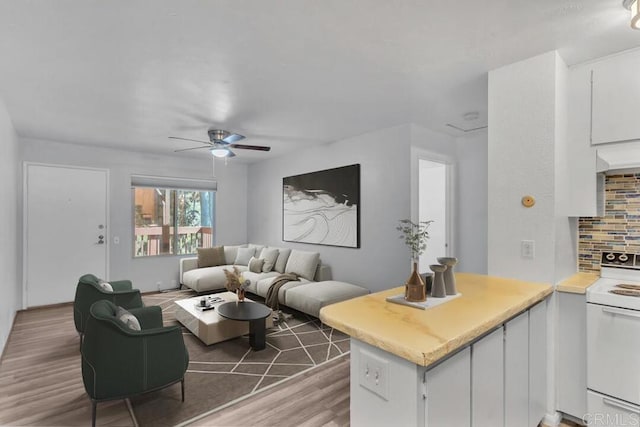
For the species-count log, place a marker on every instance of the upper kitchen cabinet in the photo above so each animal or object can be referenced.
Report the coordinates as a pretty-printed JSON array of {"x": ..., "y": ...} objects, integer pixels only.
[{"x": 615, "y": 99}]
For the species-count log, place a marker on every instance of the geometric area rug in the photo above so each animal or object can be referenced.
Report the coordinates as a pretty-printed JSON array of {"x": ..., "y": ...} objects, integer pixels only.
[{"x": 228, "y": 371}]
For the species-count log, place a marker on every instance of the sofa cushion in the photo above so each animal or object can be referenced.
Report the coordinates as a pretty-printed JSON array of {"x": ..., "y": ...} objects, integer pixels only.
[
  {"x": 230, "y": 253},
  {"x": 257, "y": 248},
  {"x": 211, "y": 257},
  {"x": 263, "y": 286},
  {"x": 303, "y": 263},
  {"x": 207, "y": 279},
  {"x": 255, "y": 265},
  {"x": 310, "y": 298},
  {"x": 270, "y": 256},
  {"x": 244, "y": 256},
  {"x": 129, "y": 320},
  {"x": 283, "y": 257}
]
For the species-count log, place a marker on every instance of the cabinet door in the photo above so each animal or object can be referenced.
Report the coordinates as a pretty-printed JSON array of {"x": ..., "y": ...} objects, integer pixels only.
[
  {"x": 516, "y": 372},
  {"x": 487, "y": 380},
  {"x": 449, "y": 392},
  {"x": 571, "y": 368},
  {"x": 537, "y": 363},
  {"x": 616, "y": 99}
]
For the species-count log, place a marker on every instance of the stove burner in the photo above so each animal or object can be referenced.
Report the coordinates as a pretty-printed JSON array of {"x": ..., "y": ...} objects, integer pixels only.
[
  {"x": 625, "y": 292},
  {"x": 627, "y": 286}
]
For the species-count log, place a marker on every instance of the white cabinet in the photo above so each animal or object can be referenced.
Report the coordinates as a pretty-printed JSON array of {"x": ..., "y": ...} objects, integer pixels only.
[
  {"x": 607, "y": 411},
  {"x": 571, "y": 368},
  {"x": 516, "y": 372},
  {"x": 448, "y": 390},
  {"x": 487, "y": 380},
  {"x": 615, "y": 99},
  {"x": 537, "y": 363}
]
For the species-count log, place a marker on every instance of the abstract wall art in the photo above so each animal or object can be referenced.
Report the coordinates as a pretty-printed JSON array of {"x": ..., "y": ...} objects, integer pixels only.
[{"x": 322, "y": 207}]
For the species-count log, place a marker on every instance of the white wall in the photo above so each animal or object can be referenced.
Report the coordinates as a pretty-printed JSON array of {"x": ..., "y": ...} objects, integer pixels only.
[
  {"x": 10, "y": 244},
  {"x": 383, "y": 261},
  {"x": 521, "y": 162},
  {"x": 471, "y": 203},
  {"x": 231, "y": 202}
]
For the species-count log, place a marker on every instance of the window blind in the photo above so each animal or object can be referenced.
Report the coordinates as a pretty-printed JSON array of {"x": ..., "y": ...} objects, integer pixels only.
[{"x": 173, "y": 183}]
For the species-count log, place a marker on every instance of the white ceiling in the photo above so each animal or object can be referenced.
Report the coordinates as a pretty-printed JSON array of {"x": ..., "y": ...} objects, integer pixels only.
[{"x": 285, "y": 73}]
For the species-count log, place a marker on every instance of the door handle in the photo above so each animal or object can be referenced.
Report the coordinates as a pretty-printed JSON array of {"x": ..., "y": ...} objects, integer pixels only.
[
  {"x": 620, "y": 405},
  {"x": 628, "y": 313}
]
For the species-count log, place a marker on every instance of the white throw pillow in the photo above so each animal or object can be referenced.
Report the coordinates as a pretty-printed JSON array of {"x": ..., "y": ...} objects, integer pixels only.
[
  {"x": 244, "y": 256},
  {"x": 105, "y": 286},
  {"x": 270, "y": 256},
  {"x": 283, "y": 257},
  {"x": 258, "y": 248},
  {"x": 255, "y": 265},
  {"x": 303, "y": 263},
  {"x": 231, "y": 252},
  {"x": 128, "y": 319}
]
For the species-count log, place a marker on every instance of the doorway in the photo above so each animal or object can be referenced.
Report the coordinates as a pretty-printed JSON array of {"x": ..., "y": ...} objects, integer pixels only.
[
  {"x": 434, "y": 200},
  {"x": 65, "y": 230}
]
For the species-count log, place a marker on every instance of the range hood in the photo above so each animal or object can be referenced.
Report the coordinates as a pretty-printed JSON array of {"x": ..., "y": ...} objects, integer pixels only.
[{"x": 618, "y": 160}]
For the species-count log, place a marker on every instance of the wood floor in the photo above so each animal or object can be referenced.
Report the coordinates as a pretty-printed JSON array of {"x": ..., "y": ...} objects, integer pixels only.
[{"x": 41, "y": 385}]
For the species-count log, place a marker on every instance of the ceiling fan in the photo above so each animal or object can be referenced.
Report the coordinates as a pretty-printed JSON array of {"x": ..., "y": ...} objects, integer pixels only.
[{"x": 221, "y": 142}]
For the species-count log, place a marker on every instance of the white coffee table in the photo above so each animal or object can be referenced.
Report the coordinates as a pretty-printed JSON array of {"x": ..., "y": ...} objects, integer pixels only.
[{"x": 208, "y": 325}]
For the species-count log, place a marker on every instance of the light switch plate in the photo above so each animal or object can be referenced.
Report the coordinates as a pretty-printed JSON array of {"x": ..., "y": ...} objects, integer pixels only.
[
  {"x": 374, "y": 374},
  {"x": 528, "y": 249}
]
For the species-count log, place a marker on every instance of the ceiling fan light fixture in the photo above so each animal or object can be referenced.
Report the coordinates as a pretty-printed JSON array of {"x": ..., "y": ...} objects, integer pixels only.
[
  {"x": 220, "y": 152},
  {"x": 634, "y": 7}
]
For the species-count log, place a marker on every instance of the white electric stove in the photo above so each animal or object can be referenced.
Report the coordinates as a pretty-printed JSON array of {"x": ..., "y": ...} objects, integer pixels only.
[{"x": 613, "y": 340}]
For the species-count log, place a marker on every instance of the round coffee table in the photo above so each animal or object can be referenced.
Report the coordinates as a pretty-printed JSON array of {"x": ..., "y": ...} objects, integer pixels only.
[{"x": 252, "y": 312}]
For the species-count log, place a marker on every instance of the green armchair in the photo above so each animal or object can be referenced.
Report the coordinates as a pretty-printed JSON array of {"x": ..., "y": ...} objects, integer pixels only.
[
  {"x": 119, "y": 362},
  {"x": 89, "y": 291}
]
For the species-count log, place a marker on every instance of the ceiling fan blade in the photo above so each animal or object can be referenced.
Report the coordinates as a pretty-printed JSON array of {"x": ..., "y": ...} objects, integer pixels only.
[
  {"x": 192, "y": 148},
  {"x": 233, "y": 138},
  {"x": 251, "y": 147},
  {"x": 188, "y": 139},
  {"x": 231, "y": 154}
]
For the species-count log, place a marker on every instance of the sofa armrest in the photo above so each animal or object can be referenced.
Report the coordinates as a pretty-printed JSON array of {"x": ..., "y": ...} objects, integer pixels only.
[
  {"x": 149, "y": 317},
  {"x": 187, "y": 264},
  {"x": 323, "y": 273},
  {"x": 121, "y": 285}
]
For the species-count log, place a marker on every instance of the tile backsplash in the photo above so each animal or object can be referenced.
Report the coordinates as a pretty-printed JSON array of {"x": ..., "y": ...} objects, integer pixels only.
[{"x": 618, "y": 230}]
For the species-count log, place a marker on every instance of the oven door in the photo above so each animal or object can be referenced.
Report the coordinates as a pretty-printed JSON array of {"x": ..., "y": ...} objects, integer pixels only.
[{"x": 613, "y": 352}]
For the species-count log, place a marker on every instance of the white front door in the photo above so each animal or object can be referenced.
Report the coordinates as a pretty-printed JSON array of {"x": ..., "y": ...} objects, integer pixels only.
[{"x": 65, "y": 230}]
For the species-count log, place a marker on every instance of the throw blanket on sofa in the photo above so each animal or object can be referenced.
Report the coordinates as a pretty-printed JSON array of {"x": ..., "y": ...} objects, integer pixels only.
[{"x": 272, "y": 293}]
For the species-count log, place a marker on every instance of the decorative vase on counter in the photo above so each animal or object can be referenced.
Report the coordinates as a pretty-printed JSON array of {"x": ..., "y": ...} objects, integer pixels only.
[
  {"x": 437, "y": 289},
  {"x": 240, "y": 294},
  {"x": 415, "y": 289},
  {"x": 449, "y": 277}
]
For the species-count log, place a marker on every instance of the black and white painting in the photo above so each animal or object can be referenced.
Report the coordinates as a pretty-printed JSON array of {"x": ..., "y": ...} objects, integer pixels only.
[{"x": 322, "y": 207}]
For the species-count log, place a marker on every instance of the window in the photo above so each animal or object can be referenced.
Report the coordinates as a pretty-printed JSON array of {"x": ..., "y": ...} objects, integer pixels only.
[{"x": 171, "y": 221}]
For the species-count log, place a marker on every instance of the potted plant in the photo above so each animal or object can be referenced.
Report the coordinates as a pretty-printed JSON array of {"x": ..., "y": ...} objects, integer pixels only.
[{"x": 415, "y": 236}]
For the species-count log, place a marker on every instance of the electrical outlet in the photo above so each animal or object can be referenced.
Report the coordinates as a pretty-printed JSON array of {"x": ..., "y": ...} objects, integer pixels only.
[
  {"x": 528, "y": 249},
  {"x": 159, "y": 285},
  {"x": 374, "y": 374}
]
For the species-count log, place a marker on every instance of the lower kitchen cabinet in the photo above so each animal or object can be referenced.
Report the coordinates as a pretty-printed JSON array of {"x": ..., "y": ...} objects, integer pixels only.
[
  {"x": 571, "y": 368},
  {"x": 498, "y": 380},
  {"x": 516, "y": 371},
  {"x": 487, "y": 380},
  {"x": 448, "y": 391}
]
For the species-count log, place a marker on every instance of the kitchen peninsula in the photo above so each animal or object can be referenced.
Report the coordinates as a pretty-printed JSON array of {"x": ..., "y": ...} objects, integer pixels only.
[{"x": 480, "y": 356}]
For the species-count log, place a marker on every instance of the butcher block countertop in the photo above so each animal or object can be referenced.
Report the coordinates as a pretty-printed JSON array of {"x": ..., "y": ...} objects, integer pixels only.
[
  {"x": 426, "y": 336},
  {"x": 578, "y": 283}
]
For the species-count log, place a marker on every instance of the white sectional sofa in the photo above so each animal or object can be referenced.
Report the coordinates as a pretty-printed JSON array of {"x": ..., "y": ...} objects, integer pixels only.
[{"x": 309, "y": 294}]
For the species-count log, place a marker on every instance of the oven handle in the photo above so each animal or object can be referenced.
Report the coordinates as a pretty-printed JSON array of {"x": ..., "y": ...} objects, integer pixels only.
[
  {"x": 628, "y": 313},
  {"x": 620, "y": 405}
]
